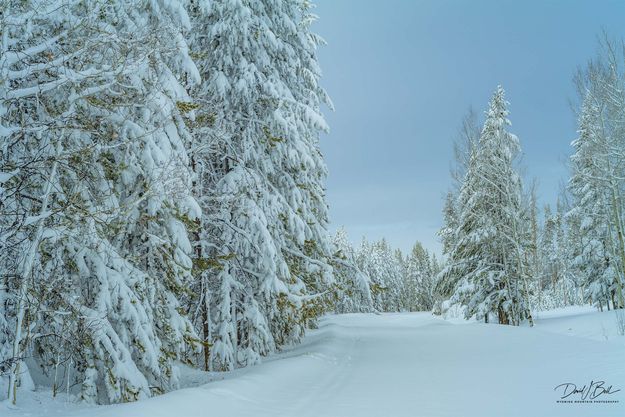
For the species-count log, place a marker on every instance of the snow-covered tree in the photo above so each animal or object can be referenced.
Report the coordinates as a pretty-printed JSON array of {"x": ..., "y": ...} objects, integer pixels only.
[
  {"x": 265, "y": 221},
  {"x": 386, "y": 274},
  {"x": 533, "y": 252},
  {"x": 98, "y": 191},
  {"x": 556, "y": 281},
  {"x": 489, "y": 247},
  {"x": 597, "y": 180},
  {"x": 464, "y": 149},
  {"x": 420, "y": 279},
  {"x": 353, "y": 292}
]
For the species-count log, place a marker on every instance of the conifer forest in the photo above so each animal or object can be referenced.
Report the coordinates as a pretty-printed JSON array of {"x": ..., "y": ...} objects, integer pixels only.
[{"x": 167, "y": 242}]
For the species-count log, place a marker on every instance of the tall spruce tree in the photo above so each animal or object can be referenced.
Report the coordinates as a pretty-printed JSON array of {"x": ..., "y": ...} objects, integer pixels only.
[
  {"x": 267, "y": 226},
  {"x": 489, "y": 247}
]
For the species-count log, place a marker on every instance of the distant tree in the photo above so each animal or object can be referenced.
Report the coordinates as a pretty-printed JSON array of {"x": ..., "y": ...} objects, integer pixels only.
[
  {"x": 383, "y": 267},
  {"x": 420, "y": 279},
  {"x": 353, "y": 287}
]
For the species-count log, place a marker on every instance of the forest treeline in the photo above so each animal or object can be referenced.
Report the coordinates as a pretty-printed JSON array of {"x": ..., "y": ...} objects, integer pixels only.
[
  {"x": 162, "y": 199},
  {"x": 504, "y": 256},
  {"x": 162, "y": 190}
]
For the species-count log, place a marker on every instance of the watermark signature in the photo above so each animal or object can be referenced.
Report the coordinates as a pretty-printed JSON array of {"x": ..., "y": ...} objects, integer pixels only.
[{"x": 593, "y": 392}]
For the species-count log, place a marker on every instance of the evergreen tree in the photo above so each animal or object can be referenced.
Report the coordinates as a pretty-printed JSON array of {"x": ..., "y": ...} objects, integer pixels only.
[
  {"x": 489, "y": 249},
  {"x": 98, "y": 192},
  {"x": 420, "y": 279},
  {"x": 382, "y": 266},
  {"x": 353, "y": 292},
  {"x": 464, "y": 149},
  {"x": 556, "y": 281},
  {"x": 267, "y": 225}
]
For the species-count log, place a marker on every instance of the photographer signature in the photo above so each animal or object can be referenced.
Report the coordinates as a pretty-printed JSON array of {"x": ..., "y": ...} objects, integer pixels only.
[{"x": 586, "y": 392}]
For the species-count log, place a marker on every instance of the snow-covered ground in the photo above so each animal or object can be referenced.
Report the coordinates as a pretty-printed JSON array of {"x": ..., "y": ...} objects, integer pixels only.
[{"x": 402, "y": 365}]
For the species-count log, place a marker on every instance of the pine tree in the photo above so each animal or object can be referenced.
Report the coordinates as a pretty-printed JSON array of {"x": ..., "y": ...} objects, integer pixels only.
[
  {"x": 548, "y": 273},
  {"x": 556, "y": 279},
  {"x": 464, "y": 149},
  {"x": 489, "y": 249},
  {"x": 420, "y": 279},
  {"x": 573, "y": 246},
  {"x": 266, "y": 212},
  {"x": 91, "y": 104},
  {"x": 353, "y": 292},
  {"x": 383, "y": 267}
]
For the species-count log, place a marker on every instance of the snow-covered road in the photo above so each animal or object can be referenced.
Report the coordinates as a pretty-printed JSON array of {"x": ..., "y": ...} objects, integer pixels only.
[{"x": 409, "y": 365}]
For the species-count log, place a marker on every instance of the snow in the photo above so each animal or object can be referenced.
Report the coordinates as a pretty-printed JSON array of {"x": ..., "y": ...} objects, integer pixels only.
[
  {"x": 4, "y": 132},
  {"x": 399, "y": 364},
  {"x": 581, "y": 321}
]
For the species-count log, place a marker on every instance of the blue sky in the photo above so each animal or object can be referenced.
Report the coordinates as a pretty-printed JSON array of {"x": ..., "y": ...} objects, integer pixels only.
[{"x": 402, "y": 75}]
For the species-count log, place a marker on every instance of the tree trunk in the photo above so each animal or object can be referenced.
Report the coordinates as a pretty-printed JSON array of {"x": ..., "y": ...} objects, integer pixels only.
[
  {"x": 503, "y": 317},
  {"x": 26, "y": 269},
  {"x": 206, "y": 330}
]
